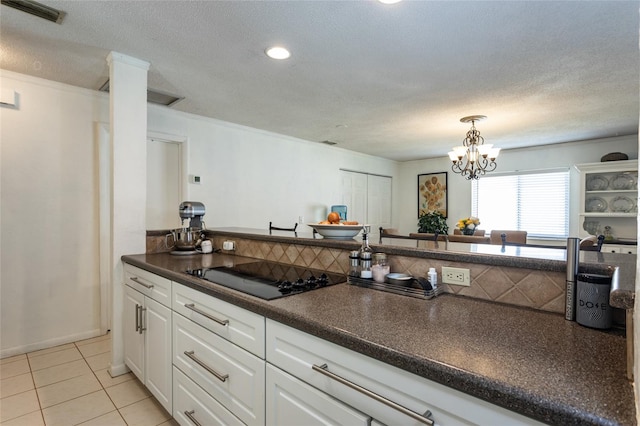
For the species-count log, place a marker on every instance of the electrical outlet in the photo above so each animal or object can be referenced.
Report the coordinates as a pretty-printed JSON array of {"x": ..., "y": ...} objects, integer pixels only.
[
  {"x": 456, "y": 276},
  {"x": 229, "y": 245}
]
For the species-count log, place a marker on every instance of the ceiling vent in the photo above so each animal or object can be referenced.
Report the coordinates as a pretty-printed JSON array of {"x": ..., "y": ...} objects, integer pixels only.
[
  {"x": 36, "y": 9},
  {"x": 153, "y": 96}
]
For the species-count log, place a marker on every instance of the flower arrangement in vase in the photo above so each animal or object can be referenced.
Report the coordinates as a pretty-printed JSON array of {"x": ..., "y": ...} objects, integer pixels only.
[{"x": 468, "y": 225}]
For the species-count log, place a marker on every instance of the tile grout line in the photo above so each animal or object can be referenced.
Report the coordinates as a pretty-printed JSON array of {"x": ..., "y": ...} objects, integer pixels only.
[
  {"x": 102, "y": 387},
  {"x": 117, "y": 410},
  {"x": 35, "y": 389}
]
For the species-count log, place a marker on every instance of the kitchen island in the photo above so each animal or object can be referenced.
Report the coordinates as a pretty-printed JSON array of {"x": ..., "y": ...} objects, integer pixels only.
[{"x": 531, "y": 362}]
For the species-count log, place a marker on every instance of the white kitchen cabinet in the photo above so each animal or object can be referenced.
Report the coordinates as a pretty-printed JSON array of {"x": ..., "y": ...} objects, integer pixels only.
[
  {"x": 231, "y": 375},
  {"x": 219, "y": 348},
  {"x": 609, "y": 197},
  {"x": 619, "y": 248},
  {"x": 193, "y": 406},
  {"x": 237, "y": 325},
  {"x": 147, "y": 338},
  {"x": 388, "y": 394},
  {"x": 133, "y": 339},
  {"x": 291, "y": 402}
]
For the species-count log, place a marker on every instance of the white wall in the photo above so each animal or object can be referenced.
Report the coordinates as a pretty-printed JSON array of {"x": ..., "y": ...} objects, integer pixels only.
[
  {"x": 49, "y": 283},
  {"x": 49, "y": 198},
  {"x": 459, "y": 189},
  {"x": 251, "y": 177}
]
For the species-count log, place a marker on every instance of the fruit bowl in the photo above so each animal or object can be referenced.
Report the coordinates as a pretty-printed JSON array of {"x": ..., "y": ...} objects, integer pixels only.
[{"x": 337, "y": 232}]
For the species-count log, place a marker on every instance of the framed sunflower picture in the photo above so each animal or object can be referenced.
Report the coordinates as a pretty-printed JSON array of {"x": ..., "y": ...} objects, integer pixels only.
[{"x": 432, "y": 193}]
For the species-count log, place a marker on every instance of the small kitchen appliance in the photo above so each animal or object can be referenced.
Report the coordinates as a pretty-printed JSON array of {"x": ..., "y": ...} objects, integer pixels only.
[
  {"x": 194, "y": 211},
  {"x": 188, "y": 238}
]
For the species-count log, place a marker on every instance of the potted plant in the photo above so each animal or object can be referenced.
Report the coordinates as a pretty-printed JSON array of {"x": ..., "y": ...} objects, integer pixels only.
[{"x": 432, "y": 222}]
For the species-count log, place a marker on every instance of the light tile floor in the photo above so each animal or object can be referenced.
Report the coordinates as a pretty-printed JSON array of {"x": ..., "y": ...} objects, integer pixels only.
[{"x": 70, "y": 385}]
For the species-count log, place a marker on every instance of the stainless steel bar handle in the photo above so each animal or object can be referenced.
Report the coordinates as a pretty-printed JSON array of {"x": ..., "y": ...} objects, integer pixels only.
[
  {"x": 192, "y": 306},
  {"x": 138, "y": 317},
  {"x": 137, "y": 280},
  {"x": 189, "y": 414},
  {"x": 221, "y": 377},
  {"x": 142, "y": 327},
  {"x": 323, "y": 369}
]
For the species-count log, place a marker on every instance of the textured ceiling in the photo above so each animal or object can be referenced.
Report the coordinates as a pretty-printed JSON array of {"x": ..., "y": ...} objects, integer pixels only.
[{"x": 387, "y": 80}]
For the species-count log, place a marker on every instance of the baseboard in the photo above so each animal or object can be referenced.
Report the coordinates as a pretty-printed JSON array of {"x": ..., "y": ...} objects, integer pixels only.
[
  {"x": 118, "y": 370},
  {"x": 18, "y": 350}
]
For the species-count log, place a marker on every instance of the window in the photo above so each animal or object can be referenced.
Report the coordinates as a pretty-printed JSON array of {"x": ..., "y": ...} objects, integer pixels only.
[{"x": 536, "y": 202}]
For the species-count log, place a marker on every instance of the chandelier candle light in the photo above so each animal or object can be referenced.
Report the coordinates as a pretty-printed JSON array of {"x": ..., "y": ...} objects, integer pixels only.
[{"x": 473, "y": 159}]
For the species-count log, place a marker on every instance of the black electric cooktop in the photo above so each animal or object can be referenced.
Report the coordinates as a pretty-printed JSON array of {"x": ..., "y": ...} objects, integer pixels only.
[{"x": 268, "y": 280}]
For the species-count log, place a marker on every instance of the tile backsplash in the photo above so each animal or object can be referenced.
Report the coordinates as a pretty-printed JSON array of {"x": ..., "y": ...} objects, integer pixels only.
[{"x": 530, "y": 288}]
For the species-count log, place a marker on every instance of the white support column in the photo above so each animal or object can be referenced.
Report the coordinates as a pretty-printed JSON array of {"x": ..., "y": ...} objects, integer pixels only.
[{"x": 128, "y": 130}]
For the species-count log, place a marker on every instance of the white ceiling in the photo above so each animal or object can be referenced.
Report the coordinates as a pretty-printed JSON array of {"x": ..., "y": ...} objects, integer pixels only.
[{"x": 387, "y": 80}]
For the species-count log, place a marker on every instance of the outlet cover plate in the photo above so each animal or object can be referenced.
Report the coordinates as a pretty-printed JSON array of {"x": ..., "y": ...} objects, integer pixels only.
[{"x": 456, "y": 276}]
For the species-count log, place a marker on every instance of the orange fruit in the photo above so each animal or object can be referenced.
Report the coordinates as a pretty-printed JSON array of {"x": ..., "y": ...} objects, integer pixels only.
[{"x": 333, "y": 217}]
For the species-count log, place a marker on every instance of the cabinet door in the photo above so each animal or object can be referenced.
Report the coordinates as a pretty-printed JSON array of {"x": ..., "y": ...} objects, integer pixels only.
[
  {"x": 133, "y": 339},
  {"x": 292, "y": 402},
  {"x": 158, "y": 352}
]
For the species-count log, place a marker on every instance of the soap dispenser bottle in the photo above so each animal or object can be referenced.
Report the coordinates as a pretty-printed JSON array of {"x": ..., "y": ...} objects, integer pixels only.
[{"x": 433, "y": 277}]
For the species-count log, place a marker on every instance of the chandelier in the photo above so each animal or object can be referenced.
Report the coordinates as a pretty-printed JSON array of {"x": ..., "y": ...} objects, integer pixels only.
[{"x": 473, "y": 159}]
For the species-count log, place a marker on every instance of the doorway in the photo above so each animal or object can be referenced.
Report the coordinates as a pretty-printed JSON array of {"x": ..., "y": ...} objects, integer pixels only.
[{"x": 164, "y": 183}]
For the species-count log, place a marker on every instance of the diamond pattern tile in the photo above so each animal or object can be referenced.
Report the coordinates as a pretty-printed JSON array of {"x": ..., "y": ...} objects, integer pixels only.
[
  {"x": 539, "y": 289},
  {"x": 531, "y": 288}
]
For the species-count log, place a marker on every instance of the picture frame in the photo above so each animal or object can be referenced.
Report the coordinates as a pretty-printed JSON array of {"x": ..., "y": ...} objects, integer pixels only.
[{"x": 432, "y": 193}]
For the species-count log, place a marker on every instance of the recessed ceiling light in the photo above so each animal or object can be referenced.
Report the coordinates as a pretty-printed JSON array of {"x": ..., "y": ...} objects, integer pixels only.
[
  {"x": 277, "y": 52},
  {"x": 389, "y": 1}
]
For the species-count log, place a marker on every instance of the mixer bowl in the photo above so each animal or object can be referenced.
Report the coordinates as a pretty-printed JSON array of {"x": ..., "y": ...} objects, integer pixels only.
[{"x": 184, "y": 238}]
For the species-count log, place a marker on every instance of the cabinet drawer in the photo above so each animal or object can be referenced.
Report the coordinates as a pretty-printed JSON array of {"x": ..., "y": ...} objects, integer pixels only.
[
  {"x": 293, "y": 402},
  {"x": 154, "y": 286},
  {"x": 231, "y": 375},
  {"x": 296, "y": 353},
  {"x": 190, "y": 400},
  {"x": 624, "y": 249},
  {"x": 235, "y": 324}
]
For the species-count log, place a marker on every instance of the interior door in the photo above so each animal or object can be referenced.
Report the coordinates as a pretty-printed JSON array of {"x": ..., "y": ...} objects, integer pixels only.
[
  {"x": 164, "y": 184},
  {"x": 379, "y": 201},
  {"x": 354, "y": 195},
  {"x": 368, "y": 198}
]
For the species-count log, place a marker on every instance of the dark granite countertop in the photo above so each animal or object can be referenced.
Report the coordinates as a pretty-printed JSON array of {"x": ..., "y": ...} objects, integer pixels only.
[
  {"x": 549, "y": 259},
  {"x": 531, "y": 362}
]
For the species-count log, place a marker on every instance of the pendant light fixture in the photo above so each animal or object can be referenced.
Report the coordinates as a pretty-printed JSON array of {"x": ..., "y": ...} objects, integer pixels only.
[{"x": 473, "y": 159}]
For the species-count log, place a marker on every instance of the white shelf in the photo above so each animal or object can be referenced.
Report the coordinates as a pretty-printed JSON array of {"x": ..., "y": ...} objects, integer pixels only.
[
  {"x": 608, "y": 214},
  {"x": 623, "y": 225},
  {"x": 613, "y": 191}
]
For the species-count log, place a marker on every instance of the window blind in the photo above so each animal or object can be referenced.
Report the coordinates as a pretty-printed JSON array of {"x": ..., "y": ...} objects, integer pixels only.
[{"x": 536, "y": 202}]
